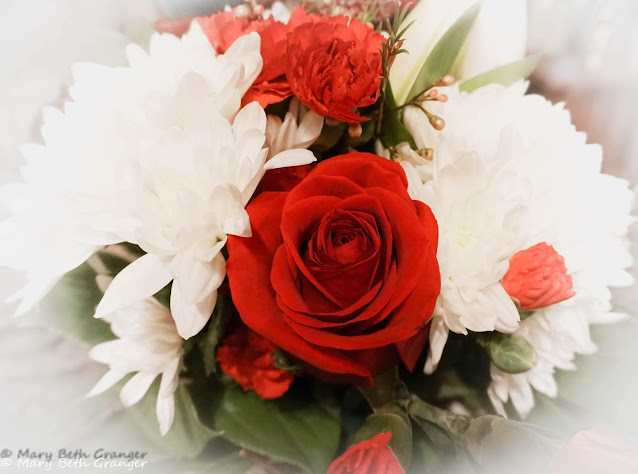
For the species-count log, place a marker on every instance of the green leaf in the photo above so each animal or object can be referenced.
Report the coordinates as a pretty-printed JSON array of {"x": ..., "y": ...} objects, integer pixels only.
[
  {"x": 506, "y": 74},
  {"x": 394, "y": 418},
  {"x": 441, "y": 59},
  {"x": 187, "y": 437},
  {"x": 512, "y": 353},
  {"x": 222, "y": 315},
  {"x": 387, "y": 388},
  {"x": 70, "y": 305},
  {"x": 393, "y": 130},
  {"x": 286, "y": 430},
  {"x": 530, "y": 447},
  {"x": 330, "y": 136}
]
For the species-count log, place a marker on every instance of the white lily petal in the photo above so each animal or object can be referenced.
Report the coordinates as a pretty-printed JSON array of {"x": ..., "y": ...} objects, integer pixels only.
[
  {"x": 191, "y": 317},
  {"x": 250, "y": 117},
  {"x": 139, "y": 280},
  {"x": 309, "y": 130},
  {"x": 246, "y": 49},
  {"x": 295, "y": 157},
  {"x": 136, "y": 388},
  {"x": 438, "y": 337},
  {"x": 165, "y": 412},
  {"x": 107, "y": 381},
  {"x": 170, "y": 379}
]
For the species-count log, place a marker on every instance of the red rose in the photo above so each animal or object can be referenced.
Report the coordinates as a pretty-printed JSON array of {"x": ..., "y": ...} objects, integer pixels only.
[
  {"x": 271, "y": 86},
  {"x": 372, "y": 456},
  {"x": 333, "y": 64},
  {"x": 537, "y": 277},
  {"x": 247, "y": 358},
  {"x": 341, "y": 272}
]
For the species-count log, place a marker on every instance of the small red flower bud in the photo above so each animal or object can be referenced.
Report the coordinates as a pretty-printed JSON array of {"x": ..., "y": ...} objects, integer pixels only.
[
  {"x": 537, "y": 277},
  {"x": 372, "y": 456}
]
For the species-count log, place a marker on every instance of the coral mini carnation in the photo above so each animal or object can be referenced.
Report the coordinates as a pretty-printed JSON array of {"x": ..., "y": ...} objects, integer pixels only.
[
  {"x": 372, "y": 456},
  {"x": 341, "y": 271},
  {"x": 537, "y": 277},
  {"x": 247, "y": 358},
  {"x": 334, "y": 64}
]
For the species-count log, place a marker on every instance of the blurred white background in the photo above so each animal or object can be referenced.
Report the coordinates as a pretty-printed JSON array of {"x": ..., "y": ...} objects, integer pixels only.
[{"x": 591, "y": 62}]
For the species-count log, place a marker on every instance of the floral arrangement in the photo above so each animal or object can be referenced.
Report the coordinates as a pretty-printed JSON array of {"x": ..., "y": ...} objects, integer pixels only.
[{"x": 309, "y": 237}]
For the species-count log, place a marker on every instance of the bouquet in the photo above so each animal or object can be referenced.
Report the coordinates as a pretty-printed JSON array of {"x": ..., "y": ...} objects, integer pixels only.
[{"x": 326, "y": 236}]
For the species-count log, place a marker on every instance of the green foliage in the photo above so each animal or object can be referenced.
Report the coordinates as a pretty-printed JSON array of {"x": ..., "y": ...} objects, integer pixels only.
[
  {"x": 187, "y": 437},
  {"x": 506, "y": 74},
  {"x": 70, "y": 305},
  {"x": 288, "y": 430},
  {"x": 212, "y": 335},
  {"x": 393, "y": 130},
  {"x": 445, "y": 52}
]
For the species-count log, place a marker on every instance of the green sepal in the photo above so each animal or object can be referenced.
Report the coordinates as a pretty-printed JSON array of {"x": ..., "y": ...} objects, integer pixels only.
[{"x": 512, "y": 353}]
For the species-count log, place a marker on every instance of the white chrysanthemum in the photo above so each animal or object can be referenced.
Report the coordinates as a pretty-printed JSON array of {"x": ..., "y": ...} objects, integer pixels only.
[
  {"x": 510, "y": 171},
  {"x": 147, "y": 345},
  {"x": 158, "y": 154},
  {"x": 300, "y": 128}
]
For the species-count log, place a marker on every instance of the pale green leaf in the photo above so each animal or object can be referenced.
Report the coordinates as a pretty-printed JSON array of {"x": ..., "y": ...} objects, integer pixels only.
[
  {"x": 445, "y": 52},
  {"x": 70, "y": 305},
  {"x": 505, "y": 75},
  {"x": 187, "y": 437}
]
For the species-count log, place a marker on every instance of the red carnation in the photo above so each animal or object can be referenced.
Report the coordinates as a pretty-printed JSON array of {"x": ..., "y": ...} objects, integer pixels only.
[
  {"x": 537, "y": 277},
  {"x": 333, "y": 64},
  {"x": 271, "y": 86},
  {"x": 341, "y": 271},
  {"x": 247, "y": 357},
  {"x": 372, "y": 456}
]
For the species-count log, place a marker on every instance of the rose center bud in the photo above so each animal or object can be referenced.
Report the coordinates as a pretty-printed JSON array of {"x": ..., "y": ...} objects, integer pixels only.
[{"x": 344, "y": 245}]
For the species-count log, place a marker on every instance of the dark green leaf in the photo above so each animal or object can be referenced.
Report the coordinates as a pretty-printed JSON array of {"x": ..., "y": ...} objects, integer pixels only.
[
  {"x": 286, "y": 430},
  {"x": 222, "y": 315},
  {"x": 330, "y": 136},
  {"x": 445, "y": 52},
  {"x": 511, "y": 353},
  {"x": 70, "y": 306},
  {"x": 393, "y": 131},
  {"x": 387, "y": 388},
  {"x": 506, "y": 74},
  {"x": 187, "y": 437}
]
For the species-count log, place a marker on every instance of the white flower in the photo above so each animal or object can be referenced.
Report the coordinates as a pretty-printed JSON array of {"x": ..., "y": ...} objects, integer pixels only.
[
  {"x": 148, "y": 345},
  {"x": 299, "y": 129},
  {"x": 158, "y": 154},
  {"x": 498, "y": 37},
  {"x": 510, "y": 171}
]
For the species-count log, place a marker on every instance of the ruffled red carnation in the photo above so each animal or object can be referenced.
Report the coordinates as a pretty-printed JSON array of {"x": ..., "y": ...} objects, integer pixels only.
[
  {"x": 333, "y": 64},
  {"x": 247, "y": 358}
]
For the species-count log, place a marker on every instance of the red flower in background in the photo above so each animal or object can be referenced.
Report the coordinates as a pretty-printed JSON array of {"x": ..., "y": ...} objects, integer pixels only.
[
  {"x": 537, "y": 277},
  {"x": 247, "y": 358},
  {"x": 271, "y": 86},
  {"x": 341, "y": 272},
  {"x": 372, "y": 456},
  {"x": 333, "y": 64}
]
